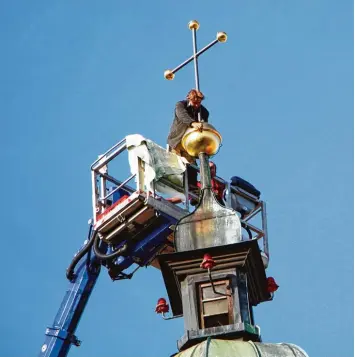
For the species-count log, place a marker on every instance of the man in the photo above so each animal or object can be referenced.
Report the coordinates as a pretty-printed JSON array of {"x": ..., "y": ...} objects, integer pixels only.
[
  {"x": 217, "y": 187},
  {"x": 186, "y": 116}
]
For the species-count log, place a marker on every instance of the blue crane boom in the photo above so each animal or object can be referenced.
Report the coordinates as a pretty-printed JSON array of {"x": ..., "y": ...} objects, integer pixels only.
[{"x": 61, "y": 335}]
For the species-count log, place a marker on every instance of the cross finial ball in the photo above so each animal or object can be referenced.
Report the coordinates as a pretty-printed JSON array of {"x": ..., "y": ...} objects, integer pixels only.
[{"x": 193, "y": 25}]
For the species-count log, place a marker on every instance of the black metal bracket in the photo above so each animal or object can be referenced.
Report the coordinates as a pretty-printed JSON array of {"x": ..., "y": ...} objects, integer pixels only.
[
  {"x": 63, "y": 335},
  {"x": 213, "y": 287}
]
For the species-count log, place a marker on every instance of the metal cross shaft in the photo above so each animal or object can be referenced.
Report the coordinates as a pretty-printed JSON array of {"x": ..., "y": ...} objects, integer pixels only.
[{"x": 194, "y": 26}]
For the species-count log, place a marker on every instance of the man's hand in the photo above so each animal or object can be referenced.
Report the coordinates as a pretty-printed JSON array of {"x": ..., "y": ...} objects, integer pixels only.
[{"x": 197, "y": 125}]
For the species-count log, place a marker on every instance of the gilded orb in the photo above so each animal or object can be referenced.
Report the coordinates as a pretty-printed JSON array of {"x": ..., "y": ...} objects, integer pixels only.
[
  {"x": 169, "y": 75},
  {"x": 207, "y": 140},
  {"x": 222, "y": 37},
  {"x": 193, "y": 25}
]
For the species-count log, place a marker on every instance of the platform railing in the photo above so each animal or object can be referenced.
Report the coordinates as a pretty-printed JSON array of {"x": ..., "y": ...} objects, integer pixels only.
[{"x": 100, "y": 177}]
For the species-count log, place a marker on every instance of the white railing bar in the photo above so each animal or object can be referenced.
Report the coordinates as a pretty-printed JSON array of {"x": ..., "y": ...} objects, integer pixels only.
[
  {"x": 117, "y": 182},
  {"x": 102, "y": 160},
  {"x": 264, "y": 227},
  {"x": 253, "y": 213},
  {"x": 117, "y": 188}
]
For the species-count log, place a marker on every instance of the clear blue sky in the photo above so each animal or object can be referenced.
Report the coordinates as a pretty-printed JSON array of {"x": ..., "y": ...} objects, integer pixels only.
[{"x": 77, "y": 76}]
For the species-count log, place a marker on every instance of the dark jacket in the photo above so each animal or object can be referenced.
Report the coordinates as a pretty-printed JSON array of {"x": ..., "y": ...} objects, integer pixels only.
[{"x": 184, "y": 116}]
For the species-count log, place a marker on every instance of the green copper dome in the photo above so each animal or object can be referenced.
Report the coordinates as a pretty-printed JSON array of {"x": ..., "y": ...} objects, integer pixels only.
[{"x": 238, "y": 348}]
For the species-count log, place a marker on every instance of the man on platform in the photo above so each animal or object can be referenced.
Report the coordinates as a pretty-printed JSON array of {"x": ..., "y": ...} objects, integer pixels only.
[
  {"x": 217, "y": 186},
  {"x": 186, "y": 116}
]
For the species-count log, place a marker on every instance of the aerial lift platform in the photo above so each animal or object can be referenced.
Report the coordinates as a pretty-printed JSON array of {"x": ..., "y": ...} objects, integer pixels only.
[{"x": 132, "y": 224}]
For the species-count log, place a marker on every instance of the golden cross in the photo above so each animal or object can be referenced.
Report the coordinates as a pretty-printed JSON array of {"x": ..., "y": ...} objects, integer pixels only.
[{"x": 194, "y": 26}]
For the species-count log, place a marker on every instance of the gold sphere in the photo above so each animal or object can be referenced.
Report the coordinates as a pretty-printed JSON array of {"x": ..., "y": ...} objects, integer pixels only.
[
  {"x": 169, "y": 75},
  {"x": 221, "y": 36},
  {"x": 193, "y": 25},
  {"x": 207, "y": 140}
]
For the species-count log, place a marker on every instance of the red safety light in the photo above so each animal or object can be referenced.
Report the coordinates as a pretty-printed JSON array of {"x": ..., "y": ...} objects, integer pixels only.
[
  {"x": 207, "y": 262},
  {"x": 271, "y": 285},
  {"x": 162, "y": 307}
]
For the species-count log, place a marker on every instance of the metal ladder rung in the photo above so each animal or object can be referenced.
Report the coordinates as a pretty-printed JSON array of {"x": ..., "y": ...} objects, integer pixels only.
[
  {"x": 110, "y": 220},
  {"x": 128, "y": 221}
]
